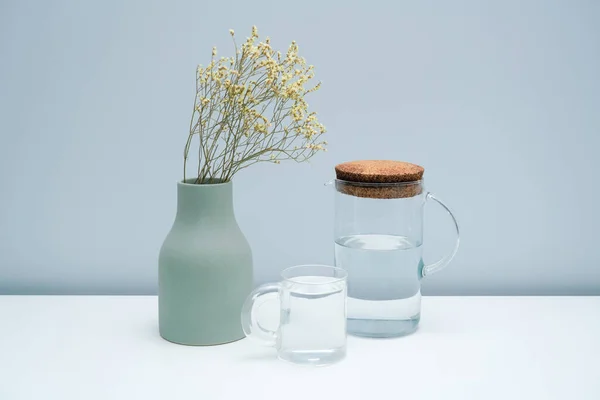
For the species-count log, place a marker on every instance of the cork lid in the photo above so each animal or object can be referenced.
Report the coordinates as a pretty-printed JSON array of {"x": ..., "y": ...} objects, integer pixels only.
[{"x": 383, "y": 179}]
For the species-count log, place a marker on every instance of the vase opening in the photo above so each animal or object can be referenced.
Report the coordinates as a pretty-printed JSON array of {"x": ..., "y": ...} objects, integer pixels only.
[{"x": 215, "y": 181}]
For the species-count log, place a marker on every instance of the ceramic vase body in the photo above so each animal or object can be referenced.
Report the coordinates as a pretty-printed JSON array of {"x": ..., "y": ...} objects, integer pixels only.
[{"x": 205, "y": 268}]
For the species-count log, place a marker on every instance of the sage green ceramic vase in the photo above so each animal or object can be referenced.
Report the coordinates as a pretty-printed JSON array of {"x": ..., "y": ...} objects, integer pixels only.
[{"x": 204, "y": 268}]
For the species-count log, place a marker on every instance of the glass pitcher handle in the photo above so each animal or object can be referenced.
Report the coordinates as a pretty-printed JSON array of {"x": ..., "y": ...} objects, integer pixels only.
[
  {"x": 436, "y": 266},
  {"x": 250, "y": 324}
]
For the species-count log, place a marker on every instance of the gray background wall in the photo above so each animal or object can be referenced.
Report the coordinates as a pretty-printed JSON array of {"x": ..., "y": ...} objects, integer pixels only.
[{"x": 498, "y": 100}]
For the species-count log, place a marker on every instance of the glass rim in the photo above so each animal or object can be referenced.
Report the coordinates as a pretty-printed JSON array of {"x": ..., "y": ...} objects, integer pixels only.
[
  {"x": 379, "y": 184},
  {"x": 343, "y": 274}
]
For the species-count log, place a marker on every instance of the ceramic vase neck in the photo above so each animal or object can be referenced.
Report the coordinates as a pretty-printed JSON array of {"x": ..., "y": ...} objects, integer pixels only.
[{"x": 206, "y": 201}]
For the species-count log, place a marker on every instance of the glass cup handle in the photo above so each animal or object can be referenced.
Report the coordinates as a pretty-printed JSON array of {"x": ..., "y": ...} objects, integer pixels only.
[
  {"x": 436, "y": 266},
  {"x": 250, "y": 324}
]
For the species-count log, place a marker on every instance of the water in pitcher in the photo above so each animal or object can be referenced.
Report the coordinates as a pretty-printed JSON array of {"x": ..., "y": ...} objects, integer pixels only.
[
  {"x": 384, "y": 298},
  {"x": 313, "y": 320}
]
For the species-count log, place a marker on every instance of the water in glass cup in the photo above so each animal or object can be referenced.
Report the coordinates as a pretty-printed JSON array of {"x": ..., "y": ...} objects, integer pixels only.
[
  {"x": 384, "y": 297},
  {"x": 313, "y": 320},
  {"x": 312, "y": 314}
]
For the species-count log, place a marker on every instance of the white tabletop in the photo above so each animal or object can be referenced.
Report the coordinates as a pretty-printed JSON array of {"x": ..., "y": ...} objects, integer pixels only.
[{"x": 75, "y": 347}]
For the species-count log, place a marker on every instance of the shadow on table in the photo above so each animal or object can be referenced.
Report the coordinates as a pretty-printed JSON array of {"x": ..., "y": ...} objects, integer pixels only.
[
  {"x": 149, "y": 331},
  {"x": 255, "y": 356}
]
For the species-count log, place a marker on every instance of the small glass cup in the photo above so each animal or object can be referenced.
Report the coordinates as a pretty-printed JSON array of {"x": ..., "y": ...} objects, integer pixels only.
[{"x": 312, "y": 323}]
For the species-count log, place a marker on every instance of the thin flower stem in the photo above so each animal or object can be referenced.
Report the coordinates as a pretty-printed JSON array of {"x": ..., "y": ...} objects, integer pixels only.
[{"x": 251, "y": 109}]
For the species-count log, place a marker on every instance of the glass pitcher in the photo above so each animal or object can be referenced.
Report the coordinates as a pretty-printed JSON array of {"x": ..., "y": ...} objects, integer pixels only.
[{"x": 378, "y": 241}]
